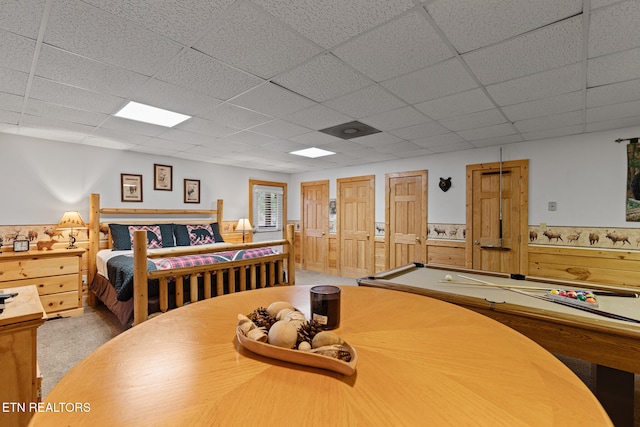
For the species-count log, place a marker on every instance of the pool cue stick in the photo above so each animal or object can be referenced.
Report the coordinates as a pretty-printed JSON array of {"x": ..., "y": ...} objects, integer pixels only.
[
  {"x": 535, "y": 288},
  {"x": 546, "y": 298},
  {"x": 629, "y": 294}
]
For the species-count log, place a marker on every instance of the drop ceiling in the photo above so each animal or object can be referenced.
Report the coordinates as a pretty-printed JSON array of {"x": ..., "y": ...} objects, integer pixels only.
[{"x": 261, "y": 78}]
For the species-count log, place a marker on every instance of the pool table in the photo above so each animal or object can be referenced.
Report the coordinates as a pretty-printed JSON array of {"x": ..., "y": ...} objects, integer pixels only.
[{"x": 613, "y": 345}]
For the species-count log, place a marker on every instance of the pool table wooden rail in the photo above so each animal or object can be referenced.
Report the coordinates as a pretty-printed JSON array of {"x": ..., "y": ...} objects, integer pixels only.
[{"x": 611, "y": 343}]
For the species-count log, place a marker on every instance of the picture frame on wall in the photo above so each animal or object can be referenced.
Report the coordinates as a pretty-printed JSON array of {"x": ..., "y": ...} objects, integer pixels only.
[
  {"x": 162, "y": 177},
  {"x": 130, "y": 187},
  {"x": 192, "y": 191}
]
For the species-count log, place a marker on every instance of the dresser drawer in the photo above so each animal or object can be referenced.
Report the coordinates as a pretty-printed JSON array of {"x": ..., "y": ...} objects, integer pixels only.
[
  {"x": 59, "y": 302},
  {"x": 33, "y": 268},
  {"x": 47, "y": 285}
]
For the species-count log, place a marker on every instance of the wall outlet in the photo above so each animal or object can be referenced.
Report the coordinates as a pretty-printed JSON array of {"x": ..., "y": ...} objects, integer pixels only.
[
  {"x": 84, "y": 279},
  {"x": 553, "y": 206}
]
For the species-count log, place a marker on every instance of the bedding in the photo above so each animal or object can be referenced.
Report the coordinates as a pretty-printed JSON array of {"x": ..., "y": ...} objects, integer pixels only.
[{"x": 119, "y": 267}]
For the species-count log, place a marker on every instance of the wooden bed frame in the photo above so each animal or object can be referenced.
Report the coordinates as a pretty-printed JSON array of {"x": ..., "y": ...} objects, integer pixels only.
[{"x": 286, "y": 259}]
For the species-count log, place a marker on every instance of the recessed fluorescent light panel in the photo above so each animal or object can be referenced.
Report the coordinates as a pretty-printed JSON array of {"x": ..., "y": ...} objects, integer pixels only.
[
  {"x": 312, "y": 152},
  {"x": 148, "y": 114}
]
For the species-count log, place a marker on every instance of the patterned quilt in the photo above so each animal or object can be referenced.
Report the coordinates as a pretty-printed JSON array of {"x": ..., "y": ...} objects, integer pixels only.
[{"x": 120, "y": 268}]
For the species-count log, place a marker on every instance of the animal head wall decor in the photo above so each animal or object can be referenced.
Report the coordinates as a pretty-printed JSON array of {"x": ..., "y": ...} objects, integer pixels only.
[{"x": 445, "y": 184}]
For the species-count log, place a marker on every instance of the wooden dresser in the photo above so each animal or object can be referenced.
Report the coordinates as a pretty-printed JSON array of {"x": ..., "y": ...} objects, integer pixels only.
[
  {"x": 55, "y": 273},
  {"x": 19, "y": 374}
]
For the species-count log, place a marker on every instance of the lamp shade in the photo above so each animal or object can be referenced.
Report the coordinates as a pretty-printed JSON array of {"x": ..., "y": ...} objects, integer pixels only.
[
  {"x": 243, "y": 225},
  {"x": 71, "y": 219}
]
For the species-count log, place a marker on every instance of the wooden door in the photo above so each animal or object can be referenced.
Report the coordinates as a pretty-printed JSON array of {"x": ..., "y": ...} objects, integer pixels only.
[
  {"x": 405, "y": 218},
  {"x": 495, "y": 244},
  {"x": 355, "y": 225},
  {"x": 315, "y": 225}
]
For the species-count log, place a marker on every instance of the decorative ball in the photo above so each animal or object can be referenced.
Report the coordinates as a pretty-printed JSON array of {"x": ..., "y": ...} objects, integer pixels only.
[
  {"x": 275, "y": 307},
  {"x": 448, "y": 278},
  {"x": 283, "y": 334}
]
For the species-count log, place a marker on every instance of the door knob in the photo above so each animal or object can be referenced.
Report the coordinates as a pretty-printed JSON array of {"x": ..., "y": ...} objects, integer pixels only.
[
  {"x": 417, "y": 240},
  {"x": 476, "y": 242}
]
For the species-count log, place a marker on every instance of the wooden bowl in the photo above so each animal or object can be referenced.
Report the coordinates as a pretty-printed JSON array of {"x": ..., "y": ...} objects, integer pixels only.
[{"x": 300, "y": 357}]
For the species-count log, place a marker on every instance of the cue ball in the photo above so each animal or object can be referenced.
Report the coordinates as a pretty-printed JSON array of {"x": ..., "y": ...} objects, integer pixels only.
[{"x": 448, "y": 278}]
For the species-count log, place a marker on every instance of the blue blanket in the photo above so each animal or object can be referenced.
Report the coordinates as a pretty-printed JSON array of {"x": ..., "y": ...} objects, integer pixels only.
[{"x": 120, "y": 271}]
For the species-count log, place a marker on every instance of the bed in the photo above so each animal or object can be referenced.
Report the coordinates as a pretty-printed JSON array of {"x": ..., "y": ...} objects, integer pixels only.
[{"x": 140, "y": 267}]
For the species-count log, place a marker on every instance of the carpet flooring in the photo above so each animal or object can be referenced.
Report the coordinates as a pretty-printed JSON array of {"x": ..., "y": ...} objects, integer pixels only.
[{"x": 64, "y": 342}]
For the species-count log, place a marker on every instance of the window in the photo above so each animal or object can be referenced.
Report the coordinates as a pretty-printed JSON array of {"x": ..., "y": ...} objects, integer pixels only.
[{"x": 268, "y": 206}]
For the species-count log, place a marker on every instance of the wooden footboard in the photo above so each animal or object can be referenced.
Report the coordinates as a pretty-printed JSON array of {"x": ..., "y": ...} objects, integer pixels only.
[{"x": 210, "y": 272}]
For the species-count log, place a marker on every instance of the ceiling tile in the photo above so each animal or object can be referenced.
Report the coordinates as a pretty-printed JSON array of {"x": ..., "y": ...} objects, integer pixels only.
[
  {"x": 613, "y": 93},
  {"x": 612, "y": 29},
  {"x": 323, "y": 78},
  {"x": 394, "y": 119},
  {"x": 553, "y": 133},
  {"x": 546, "y": 106},
  {"x": 201, "y": 73},
  {"x": 473, "y": 24},
  {"x": 331, "y": 22},
  {"x": 68, "y": 68},
  {"x": 600, "y": 3},
  {"x": 403, "y": 45},
  {"x": 615, "y": 124},
  {"x": 439, "y": 80},
  {"x": 56, "y": 93},
  {"x": 59, "y": 112},
  {"x": 148, "y": 149},
  {"x": 493, "y": 131},
  {"x": 133, "y": 126},
  {"x": 536, "y": 86},
  {"x": 377, "y": 139},
  {"x": 22, "y": 17},
  {"x": 14, "y": 82},
  {"x": 550, "y": 122},
  {"x": 103, "y": 142},
  {"x": 474, "y": 120},
  {"x": 314, "y": 138},
  {"x": 280, "y": 129},
  {"x": 174, "y": 98},
  {"x": 614, "y": 111},
  {"x": 83, "y": 29},
  {"x": 16, "y": 51},
  {"x": 271, "y": 99},
  {"x": 613, "y": 68},
  {"x": 183, "y": 136},
  {"x": 8, "y": 117},
  {"x": 456, "y": 105},
  {"x": 251, "y": 138},
  {"x": 120, "y": 135},
  {"x": 175, "y": 145},
  {"x": 235, "y": 116},
  {"x": 489, "y": 142},
  {"x": 318, "y": 117},
  {"x": 420, "y": 131},
  {"x": 10, "y": 102},
  {"x": 53, "y": 123},
  {"x": 365, "y": 102},
  {"x": 550, "y": 47},
  {"x": 256, "y": 42},
  {"x": 206, "y": 127},
  {"x": 178, "y": 20},
  {"x": 447, "y": 148},
  {"x": 450, "y": 138},
  {"x": 398, "y": 147}
]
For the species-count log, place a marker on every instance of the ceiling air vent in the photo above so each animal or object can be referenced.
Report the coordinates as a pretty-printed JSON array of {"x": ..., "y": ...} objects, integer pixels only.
[{"x": 350, "y": 130}]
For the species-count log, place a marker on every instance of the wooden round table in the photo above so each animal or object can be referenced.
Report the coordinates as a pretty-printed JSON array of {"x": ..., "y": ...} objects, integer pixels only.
[{"x": 420, "y": 362}]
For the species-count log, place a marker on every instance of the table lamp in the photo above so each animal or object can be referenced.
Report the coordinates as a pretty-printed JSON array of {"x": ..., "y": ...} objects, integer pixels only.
[
  {"x": 69, "y": 221},
  {"x": 243, "y": 224}
]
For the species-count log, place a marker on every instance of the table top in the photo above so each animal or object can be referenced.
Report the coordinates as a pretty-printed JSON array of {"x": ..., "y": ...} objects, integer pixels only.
[
  {"x": 24, "y": 307},
  {"x": 419, "y": 360}
]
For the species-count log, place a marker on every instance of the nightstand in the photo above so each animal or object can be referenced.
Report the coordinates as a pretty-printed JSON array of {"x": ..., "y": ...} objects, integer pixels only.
[
  {"x": 19, "y": 375},
  {"x": 55, "y": 273}
]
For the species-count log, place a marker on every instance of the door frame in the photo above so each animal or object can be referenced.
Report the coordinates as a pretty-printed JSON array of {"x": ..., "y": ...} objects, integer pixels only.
[
  {"x": 523, "y": 206},
  {"x": 325, "y": 225},
  {"x": 387, "y": 213},
  {"x": 371, "y": 219}
]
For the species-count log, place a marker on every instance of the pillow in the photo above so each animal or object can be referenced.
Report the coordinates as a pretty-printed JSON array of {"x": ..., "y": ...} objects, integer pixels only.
[
  {"x": 122, "y": 238},
  {"x": 154, "y": 237},
  {"x": 196, "y": 234}
]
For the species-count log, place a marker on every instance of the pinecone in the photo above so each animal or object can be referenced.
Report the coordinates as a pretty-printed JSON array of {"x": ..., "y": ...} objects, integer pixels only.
[
  {"x": 261, "y": 317},
  {"x": 307, "y": 331}
]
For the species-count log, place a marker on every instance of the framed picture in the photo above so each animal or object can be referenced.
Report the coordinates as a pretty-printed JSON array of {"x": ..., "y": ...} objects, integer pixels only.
[
  {"x": 192, "y": 191},
  {"x": 162, "y": 177},
  {"x": 130, "y": 187}
]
